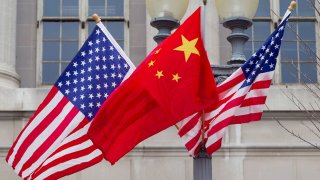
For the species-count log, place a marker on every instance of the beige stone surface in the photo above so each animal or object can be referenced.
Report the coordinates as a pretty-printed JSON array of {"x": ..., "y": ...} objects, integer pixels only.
[
  {"x": 227, "y": 168},
  {"x": 6, "y": 133},
  {"x": 266, "y": 168},
  {"x": 6, "y": 172},
  {"x": 160, "y": 168},
  {"x": 308, "y": 168},
  {"x": 103, "y": 170}
]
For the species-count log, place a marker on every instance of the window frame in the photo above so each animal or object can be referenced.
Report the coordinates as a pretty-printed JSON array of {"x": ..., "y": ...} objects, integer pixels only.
[
  {"x": 275, "y": 18},
  {"x": 298, "y": 44},
  {"x": 84, "y": 18}
]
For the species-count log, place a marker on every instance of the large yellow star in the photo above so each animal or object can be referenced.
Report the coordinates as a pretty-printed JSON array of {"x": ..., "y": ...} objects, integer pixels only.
[
  {"x": 188, "y": 47},
  {"x": 159, "y": 74},
  {"x": 176, "y": 77}
]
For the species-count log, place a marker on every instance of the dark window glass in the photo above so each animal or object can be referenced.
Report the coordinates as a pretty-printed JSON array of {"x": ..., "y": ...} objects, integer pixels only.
[
  {"x": 106, "y": 7},
  {"x": 257, "y": 35},
  {"x": 91, "y": 25},
  {"x": 51, "y": 7},
  {"x": 51, "y": 51},
  {"x": 307, "y": 30},
  {"x": 98, "y": 7},
  {"x": 307, "y": 52},
  {"x": 308, "y": 72},
  {"x": 50, "y": 72},
  {"x": 51, "y": 30},
  {"x": 70, "y": 30},
  {"x": 263, "y": 8},
  {"x": 261, "y": 30},
  {"x": 70, "y": 8},
  {"x": 115, "y": 8},
  {"x": 290, "y": 33},
  {"x": 289, "y": 72},
  {"x": 116, "y": 28},
  {"x": 289, "y": 52},
  {"x": 60, "y": 8},
  {"x": 299, "y": 46},
  {"x": 58, "y": 47},
  {"x": 69, "y": 50},
  {"x": 306, "y": 8},
  {"x": 64, "y": 66}
]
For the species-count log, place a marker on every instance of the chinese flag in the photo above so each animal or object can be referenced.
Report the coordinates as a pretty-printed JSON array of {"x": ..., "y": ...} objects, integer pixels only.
[{"x": 173, "y": 82}]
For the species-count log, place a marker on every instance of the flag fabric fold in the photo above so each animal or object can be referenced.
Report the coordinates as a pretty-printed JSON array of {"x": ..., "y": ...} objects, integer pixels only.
[
  {"x": 173, "y": 82},
  {"x": 54, "y": 143},
  {"x": 241, "y": 97}
]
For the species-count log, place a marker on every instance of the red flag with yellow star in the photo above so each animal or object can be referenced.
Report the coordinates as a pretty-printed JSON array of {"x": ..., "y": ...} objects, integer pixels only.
[{"x": 172, "y": 83}]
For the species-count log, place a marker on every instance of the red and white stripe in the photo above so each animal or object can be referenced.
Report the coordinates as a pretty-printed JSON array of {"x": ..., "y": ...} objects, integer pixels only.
[
  {"x": 54, "y": 142},
  {"x": 236, "y": 105},
  {"x": 190, "y": 130}
]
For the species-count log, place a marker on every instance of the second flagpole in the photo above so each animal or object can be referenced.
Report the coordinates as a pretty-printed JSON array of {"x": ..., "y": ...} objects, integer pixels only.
[{"x": 202, "y": 163}]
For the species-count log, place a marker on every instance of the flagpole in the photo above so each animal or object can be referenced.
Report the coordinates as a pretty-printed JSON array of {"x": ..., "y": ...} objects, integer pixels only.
[
  {"x": 291, "y": 7},
  {"x": 96, "y": 18},
  {"x": 203, "y": 21},
  {"x": 202, "y": 163}
]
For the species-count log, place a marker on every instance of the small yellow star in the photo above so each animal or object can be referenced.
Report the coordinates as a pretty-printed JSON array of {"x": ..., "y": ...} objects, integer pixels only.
[
  {"x": 176, "y": 77},
  {"x": 151, "y": 63},
  {"x": 157, "y": 52},
  {"x": 159, "y": 74},
  {"x": 188, "y": 47}
]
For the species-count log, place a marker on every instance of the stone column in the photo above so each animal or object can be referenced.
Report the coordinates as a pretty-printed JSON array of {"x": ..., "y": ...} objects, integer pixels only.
[{"x": 8, "y": 14}]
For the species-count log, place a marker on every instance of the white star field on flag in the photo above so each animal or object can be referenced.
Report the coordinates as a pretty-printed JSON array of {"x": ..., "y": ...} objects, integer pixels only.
[
  {"x": 264, "y": 59},
  {"x": 93, "y": 74}
]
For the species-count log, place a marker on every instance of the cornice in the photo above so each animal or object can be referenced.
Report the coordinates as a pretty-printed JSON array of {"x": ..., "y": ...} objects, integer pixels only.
[{"x": 266, "y": 116}]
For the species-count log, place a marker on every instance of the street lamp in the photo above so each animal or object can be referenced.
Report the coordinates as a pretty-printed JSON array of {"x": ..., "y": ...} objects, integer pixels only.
[
  {"x": 237, "y": 16},
  {"x": 166, "y": 16}
]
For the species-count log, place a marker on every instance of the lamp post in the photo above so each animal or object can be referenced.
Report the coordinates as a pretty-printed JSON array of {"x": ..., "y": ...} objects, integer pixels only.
[
  {"x": 236, "y": 16},
  {"x": 165, "y": 16}
]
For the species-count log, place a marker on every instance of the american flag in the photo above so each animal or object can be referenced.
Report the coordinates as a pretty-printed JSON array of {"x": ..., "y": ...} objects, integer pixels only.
[
  {"x": 54, "y": 143},
  {"x": 190, "y": 132},
  {"x": 241, "y": 97}
]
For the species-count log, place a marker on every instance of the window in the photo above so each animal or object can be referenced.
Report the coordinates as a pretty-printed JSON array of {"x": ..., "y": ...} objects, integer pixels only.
[
  {"x": 260, "y": 28},
  {"x": 297, "y": 61},
  {"x": 65, "y": 24},
  {"x": 298, "y": 51}
]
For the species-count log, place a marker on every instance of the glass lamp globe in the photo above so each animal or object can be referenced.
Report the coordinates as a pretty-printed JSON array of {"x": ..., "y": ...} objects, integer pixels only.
[
  {"x": 167, "y": 8},
  {"x": 236, "y": 8}
]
